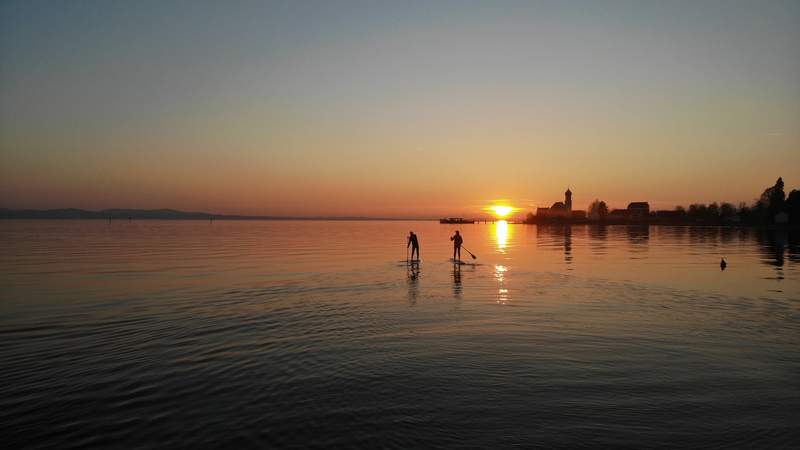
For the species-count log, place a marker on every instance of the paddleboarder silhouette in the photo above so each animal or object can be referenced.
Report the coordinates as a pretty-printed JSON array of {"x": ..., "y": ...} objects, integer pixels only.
[
  {"x": 457, "y": 240},
  {"x": 413, "y": 242}
]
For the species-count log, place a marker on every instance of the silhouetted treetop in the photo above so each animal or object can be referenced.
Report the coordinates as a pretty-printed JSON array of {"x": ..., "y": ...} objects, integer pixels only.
[
  {"x": 773, "y": 198},
  {"x": 598, "y": 210}
]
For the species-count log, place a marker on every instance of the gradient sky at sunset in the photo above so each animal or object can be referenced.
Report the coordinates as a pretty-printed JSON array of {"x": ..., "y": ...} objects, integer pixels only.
[{"x": 395, "y": 108}]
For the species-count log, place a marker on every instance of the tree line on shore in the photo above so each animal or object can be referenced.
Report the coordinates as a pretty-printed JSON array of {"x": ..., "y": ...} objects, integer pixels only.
[{"x": 773, "y": 207}]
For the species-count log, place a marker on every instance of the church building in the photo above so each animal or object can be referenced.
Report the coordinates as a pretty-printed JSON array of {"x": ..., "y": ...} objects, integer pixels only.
[{"x": 560, "y": 210}]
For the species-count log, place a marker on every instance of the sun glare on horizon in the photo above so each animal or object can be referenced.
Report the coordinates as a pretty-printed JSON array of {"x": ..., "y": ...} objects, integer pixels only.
[{"x": 502, "y": 210}]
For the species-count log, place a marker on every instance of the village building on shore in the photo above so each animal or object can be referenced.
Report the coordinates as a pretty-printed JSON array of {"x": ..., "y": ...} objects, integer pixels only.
[{"x": 560, "y": 211}]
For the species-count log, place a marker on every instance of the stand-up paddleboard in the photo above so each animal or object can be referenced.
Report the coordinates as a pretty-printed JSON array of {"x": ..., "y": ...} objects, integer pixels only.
[
  {"x": 462, "y": 262},
  {"x": 410, "y": 262}
]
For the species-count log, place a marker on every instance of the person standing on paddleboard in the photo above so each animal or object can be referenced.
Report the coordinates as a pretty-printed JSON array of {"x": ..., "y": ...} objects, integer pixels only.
[
  {"x": 414, "y": 243},
  {"x": 457, "y": 240}
]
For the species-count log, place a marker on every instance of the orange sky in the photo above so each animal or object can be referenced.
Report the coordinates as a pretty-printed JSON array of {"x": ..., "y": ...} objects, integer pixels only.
[{"x": 421, "y": 111}]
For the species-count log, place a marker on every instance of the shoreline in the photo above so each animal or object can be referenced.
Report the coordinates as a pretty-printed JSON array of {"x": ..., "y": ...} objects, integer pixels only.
[{"x": 762, "y": 227}]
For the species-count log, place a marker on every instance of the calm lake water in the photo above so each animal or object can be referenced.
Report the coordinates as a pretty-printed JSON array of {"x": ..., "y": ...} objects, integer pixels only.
[{"x": 191, "y": 334}]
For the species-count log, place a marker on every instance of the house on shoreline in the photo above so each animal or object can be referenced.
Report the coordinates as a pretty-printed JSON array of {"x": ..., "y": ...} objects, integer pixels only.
[{"x": 635, "y": 212}]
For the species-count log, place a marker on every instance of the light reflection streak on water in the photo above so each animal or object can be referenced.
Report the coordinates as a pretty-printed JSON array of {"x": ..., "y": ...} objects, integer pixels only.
[
  {"x": 502, "y": 291},
  {"x": 501, "y": 235}
]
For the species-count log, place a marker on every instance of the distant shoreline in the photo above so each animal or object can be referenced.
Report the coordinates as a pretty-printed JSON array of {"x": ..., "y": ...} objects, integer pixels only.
[
  {"x": 236, "y": 219},
  {"x": 647, "y": 223},
  {"x": 175, "y": 215},
  {"x": 165, "y": 214}
]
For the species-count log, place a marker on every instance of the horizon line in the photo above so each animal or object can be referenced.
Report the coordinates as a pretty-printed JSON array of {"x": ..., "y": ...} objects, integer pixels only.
[{"x": 103, "y": 214}]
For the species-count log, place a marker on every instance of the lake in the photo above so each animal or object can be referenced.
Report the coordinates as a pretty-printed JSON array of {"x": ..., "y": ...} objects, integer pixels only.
[{"x": 297, "y": 334}]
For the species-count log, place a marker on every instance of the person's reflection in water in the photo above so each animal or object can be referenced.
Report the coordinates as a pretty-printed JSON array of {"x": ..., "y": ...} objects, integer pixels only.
[
  {"x": 457, "y": 281},
  {"x": 413, "y": 282}
]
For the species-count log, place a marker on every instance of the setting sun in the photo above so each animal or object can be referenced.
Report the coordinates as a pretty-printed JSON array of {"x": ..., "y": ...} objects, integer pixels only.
[{"x": 502, "y": 210}]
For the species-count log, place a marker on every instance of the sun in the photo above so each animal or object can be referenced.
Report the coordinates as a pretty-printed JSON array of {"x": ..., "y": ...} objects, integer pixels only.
[{"x": 502, "y": 210}]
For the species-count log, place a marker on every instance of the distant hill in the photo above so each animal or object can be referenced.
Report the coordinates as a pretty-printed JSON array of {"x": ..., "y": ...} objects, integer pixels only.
[{"x": 148, "y": 214}]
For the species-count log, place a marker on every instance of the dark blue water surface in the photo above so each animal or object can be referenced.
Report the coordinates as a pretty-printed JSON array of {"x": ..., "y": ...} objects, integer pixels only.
[{"x": 150, "y": 334}]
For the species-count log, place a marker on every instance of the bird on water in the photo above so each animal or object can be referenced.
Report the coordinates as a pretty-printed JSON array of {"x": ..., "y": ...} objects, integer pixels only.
[{"x": 722, "y": 264}]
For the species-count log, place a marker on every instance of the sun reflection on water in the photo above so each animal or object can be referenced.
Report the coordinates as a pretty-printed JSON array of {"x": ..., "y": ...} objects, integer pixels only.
[
  {"x": 502, "y": 291},
  {"x": 501, "y": 235}
]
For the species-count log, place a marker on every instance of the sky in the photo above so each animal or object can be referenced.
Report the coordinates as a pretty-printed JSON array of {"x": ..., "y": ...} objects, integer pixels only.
[{"x": 395, "y": 109}]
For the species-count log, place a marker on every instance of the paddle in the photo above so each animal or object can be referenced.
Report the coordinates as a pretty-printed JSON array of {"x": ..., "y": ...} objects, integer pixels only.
[{"x": 470, "y": 253}]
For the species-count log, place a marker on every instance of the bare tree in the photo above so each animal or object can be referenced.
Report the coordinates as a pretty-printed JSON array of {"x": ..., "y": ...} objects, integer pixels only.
[{"x": 598, "y": 210}]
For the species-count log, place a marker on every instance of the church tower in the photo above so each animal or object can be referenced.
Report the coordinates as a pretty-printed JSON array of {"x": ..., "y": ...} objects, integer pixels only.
[{"x": 568, "y": 199}]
